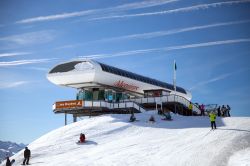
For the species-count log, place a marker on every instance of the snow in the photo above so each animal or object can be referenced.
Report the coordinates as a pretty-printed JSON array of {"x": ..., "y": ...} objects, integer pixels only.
[
  {"x": 112, "y": 140},
  {"x": 83, "y": 66},
  {"x": 241, "y": 157}
]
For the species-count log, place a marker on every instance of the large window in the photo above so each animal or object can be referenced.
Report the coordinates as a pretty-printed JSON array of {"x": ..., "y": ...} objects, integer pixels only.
[
  {"x": 64, "y": 67},
  {"x": 138, "y": 77},
  {"x": 84, "y": 95}
]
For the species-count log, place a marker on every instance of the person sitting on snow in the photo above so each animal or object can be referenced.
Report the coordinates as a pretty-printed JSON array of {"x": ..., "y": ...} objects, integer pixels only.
[
  {"x": 132, "y": 117},
  {"x": 82, "y": 138},
  {"x": 167, "y": 116},
  {"x": 152, "y": 119}
]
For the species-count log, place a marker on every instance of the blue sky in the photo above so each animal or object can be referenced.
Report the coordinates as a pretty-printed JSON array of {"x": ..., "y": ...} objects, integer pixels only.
[{"x": 209, "y": 39}]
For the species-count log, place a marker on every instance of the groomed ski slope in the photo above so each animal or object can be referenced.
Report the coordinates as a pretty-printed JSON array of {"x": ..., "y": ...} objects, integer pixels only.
[{"x": 112, "y": 140}]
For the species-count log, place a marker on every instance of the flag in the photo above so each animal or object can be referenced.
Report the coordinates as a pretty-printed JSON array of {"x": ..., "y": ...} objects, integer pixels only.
[{"x": 174, "y": 80}]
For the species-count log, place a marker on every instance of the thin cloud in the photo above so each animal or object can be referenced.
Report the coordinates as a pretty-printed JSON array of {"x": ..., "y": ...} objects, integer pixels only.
[
  {"x": 171, "y": 32},
  {"x": 175, "y": 31},
  {"x": 33, "y": 68},
  {"x": 218, "y": 78},
  {"x": 56, "y": 17},
  {"x": 124, "y": 7},
  {"x": 125, "y": 53},
  {"x": 178, "y": 10},
  {"x": 214, "y": 43},
  {"x": 13, "y": 54},
  {"x": 5, "y": 85},
  {"x": 156, "y": 34},
  {"x": 30, "y": 38},
  {"x": 71, "y": 45},
  {"x": 143, "y": 4},
  {"x": 39, "y": 68},
  {"x": 171, "y": 48},
  {"x": 24, "y": 62}
]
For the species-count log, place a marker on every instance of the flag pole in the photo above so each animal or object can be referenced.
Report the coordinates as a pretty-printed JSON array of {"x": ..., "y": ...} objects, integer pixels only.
[{"x": 174, "y": 83}]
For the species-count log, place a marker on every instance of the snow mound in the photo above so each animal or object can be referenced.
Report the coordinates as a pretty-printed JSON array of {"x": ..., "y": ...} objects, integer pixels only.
[{"x": 112, "y": 140}]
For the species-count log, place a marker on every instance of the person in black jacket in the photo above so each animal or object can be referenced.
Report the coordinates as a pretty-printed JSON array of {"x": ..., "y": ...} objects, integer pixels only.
[
  {"x": 8, "y": 161},
  {"x": 26, "y": 156},
  {"x": 218, "y": 111},
  {"x": 228, "y": 110}
]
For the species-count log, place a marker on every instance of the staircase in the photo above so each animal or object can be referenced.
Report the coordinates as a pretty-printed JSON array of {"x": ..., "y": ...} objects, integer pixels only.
[{"x": 166, "y": 99}]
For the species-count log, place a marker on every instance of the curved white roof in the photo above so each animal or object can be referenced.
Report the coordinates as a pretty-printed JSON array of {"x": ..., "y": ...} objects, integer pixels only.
[{"x": 89, "y": 73}]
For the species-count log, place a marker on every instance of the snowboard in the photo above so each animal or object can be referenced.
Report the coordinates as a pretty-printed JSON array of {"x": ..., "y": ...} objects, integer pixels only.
[
  {"x": 134, "y": 121},
  {"x": 167, "y": 119},
  {"x": 12, "y": 161}
]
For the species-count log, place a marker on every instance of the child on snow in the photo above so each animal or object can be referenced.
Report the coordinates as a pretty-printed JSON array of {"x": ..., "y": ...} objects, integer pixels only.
[
  {"x": 82, "y": 138},
  {"x": 151, "y": 119}
]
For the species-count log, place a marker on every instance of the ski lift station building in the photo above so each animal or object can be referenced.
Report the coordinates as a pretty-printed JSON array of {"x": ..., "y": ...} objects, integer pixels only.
[{"x": 105, "y": 89}]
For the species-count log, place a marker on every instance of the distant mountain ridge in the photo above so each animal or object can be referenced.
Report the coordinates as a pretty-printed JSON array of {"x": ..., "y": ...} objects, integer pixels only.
[{"x": 8, "y": 148}]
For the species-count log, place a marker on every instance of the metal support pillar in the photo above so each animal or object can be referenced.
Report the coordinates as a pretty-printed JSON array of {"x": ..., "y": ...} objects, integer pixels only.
[
  {"x": 175, "y": 110},
  {"x": 65, "y": 119},
  {"x": 74, "y": 118}
]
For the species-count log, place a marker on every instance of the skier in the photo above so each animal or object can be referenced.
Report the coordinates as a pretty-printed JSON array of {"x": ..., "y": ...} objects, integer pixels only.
[
  {"x": 190, "y": 108},
  {"x": 132, "y": 118},
  {"x": 167, "y": 116},
  {"x": 26, "y": 156},
  {"x": 212, "y": 117},
  {"x": 219, "y": 111},
  {"x": 82, "y": 138},
  {"x": 223, "y": 110},
  {"x": 202, "y": 108},
  {"x": 8, "y": 161},
  {"x": 228, "y": 110}
]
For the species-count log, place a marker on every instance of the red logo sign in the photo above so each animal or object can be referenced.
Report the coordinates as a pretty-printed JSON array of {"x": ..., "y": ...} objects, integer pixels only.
[{"x": 122, "y": 84}]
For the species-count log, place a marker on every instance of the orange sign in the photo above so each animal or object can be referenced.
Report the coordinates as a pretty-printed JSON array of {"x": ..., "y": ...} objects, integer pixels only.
[{"x": 69, "y": 104}]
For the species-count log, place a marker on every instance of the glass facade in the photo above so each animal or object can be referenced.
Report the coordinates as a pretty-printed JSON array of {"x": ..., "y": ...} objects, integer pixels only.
[
  {"x": 138, "y": 77},
  {"x": 100, "y": 94},
  {"x": 84, "y": 95}
]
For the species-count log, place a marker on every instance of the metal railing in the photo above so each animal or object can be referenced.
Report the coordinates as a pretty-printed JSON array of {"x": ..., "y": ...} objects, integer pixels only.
[
  {"x": 136, "y": 103},
  {"x": 165, "y": 99}
]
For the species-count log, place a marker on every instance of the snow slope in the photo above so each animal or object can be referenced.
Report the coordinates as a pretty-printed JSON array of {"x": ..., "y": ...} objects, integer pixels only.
[{"x": 112, "y": 140}]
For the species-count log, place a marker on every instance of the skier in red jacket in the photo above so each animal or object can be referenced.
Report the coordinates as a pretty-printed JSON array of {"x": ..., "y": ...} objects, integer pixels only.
[{"x": 82, "y": 138}]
